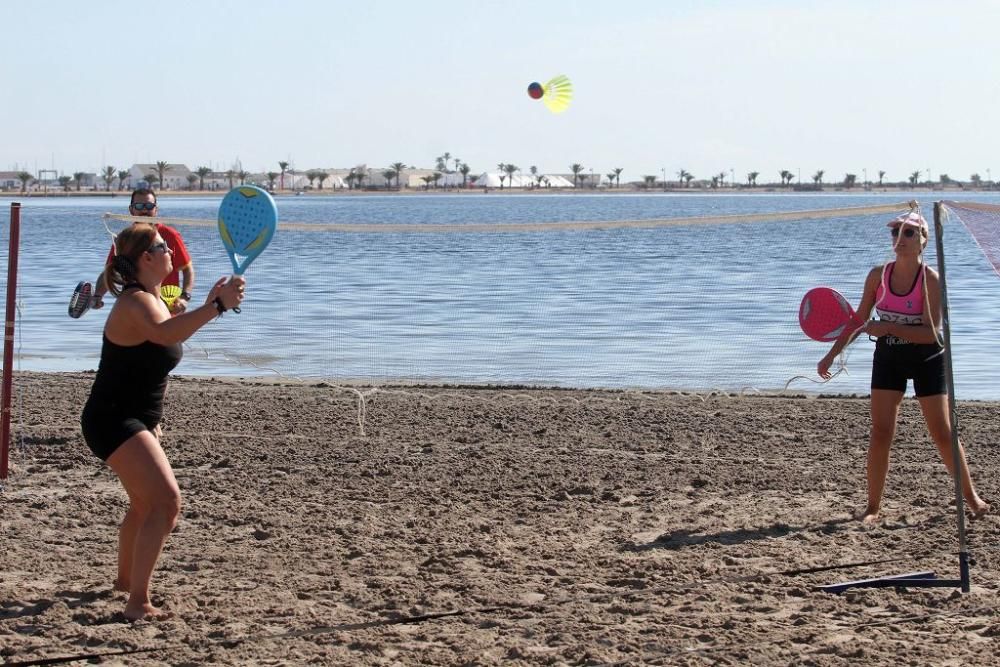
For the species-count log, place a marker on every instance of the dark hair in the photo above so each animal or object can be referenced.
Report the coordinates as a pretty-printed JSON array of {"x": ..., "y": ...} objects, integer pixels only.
[
  {"x": 142, "y": 192},
  {"x": 130, "y": 243}
]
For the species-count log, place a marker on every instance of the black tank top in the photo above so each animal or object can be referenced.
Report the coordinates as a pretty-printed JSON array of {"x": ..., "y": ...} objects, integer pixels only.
[{"x": 132, "y": 379}]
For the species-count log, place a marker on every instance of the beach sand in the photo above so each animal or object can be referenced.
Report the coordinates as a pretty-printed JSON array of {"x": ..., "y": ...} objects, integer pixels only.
[{"x": 497, "y": 526}]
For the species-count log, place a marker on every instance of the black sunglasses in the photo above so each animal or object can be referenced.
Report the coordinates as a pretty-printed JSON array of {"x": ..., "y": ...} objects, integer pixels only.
[
  {"x": 158, "y": 247},
  {"x": 908, "y": 232},
  {"x": 143, "y": 206}
]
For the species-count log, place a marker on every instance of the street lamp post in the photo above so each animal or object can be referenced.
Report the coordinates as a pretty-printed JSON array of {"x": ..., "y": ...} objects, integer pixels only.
[{"x": 663, "y": 170}]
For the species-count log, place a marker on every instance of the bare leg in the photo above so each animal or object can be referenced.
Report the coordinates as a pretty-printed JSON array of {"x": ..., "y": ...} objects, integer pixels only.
[
  {"x": 147, "y": 477},
  {"x": 884, "y": 410},
  {"x": 938, "y": 418},
  {"x": 134, "y": 518}
]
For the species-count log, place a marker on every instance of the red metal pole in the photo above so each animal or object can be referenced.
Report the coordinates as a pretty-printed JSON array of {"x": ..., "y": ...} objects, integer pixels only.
[{"x": 8, "y": 335}]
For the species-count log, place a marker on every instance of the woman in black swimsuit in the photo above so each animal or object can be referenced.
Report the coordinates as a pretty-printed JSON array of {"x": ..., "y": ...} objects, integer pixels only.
[{"x": 121, "y": 420}]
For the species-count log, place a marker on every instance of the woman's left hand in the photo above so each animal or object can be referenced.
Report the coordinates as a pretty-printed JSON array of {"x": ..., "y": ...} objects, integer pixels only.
[
  {"x": 179, "y": 305},
  {"x": 877, "y": 328}
]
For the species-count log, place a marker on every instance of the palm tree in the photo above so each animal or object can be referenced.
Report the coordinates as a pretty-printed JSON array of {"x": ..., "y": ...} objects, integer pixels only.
[
  {"x": 272, "y": 176},
  {"x": 752, "y": 178},
  {"x": 192, "y": 179},
  {"x": 25, "y": 178},
  {"x": 243, "y": 176},
  {"x": 152, "y": 179},
  {"x": 230, "y": 175},
  {"x": 914, "y": 177},
  {"x": 122, "y": 177},
  {"x": 976, "y": 180},
  {"x": 284, "y": 167},
  {"x": 441, "y": 162},
  {"x": 312, "y": 175},
  {"x": 576, "y": 168},
  {"x": 202, "y": 173},
  {"x": 397, "y": 168},
  {"x": 649, "y": 181},
  {"x": 818, "y": 177},
  {"x": 688, "y": 177},
  {"x": 681, "y": 175},
  {"x": 436, "y": 177},
  {"x": 78, "y": 177},
  {"x": 427, "y": 181},
  {"x": 618, "y": 176},
  {"x": 786, "y": 177},
  {"x": 464, "y": 170},
  {"x": 108, "y": 176},
  {"x": 611, "y": 178},
  {"x": 850, "y": 180},
  {"x": 161, "y": 168},
  {"x": 502, "y": 177},
  {"x": 388, "y": 175},
  {"x": 510, "y": 169},
  {"x": 359, "y": 176},
  {"x": 881, "y": 175},
  {"x": 64, "y": 181}
]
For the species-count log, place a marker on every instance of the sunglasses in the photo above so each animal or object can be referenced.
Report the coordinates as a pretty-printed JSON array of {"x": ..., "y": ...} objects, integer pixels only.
[
  {"x": 158, "y": 247},
  {"x": 908, "y": 232},
  {"x": 143, "y": 206}
]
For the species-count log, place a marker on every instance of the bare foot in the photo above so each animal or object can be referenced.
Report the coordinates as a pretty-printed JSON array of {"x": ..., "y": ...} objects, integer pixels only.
[
  {"x": 980, "y": 510},
  {"x": 870, "y": 518},
  {"x": 145, "y": 612}
]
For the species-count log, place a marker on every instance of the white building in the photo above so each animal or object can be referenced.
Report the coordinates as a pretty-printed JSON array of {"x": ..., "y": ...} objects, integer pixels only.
[{"x": 174, "y": 176}]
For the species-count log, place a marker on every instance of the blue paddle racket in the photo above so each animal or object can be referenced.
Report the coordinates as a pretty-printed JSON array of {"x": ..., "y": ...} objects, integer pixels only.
[{"x": 248, "y": 219}]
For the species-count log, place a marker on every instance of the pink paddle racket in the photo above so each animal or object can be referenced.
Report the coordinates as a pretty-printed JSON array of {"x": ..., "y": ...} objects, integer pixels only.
[{"x": 824, "y": 314}]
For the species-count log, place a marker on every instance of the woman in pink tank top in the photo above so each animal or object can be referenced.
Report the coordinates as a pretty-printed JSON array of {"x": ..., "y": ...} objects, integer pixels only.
[{"x": 906, "y": 294}]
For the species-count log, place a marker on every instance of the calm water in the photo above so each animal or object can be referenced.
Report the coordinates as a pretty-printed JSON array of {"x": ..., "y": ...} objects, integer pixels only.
[{"x": 692, "y": 307}]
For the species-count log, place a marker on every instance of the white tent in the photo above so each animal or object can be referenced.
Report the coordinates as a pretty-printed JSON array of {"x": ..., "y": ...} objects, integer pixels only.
[
  {"x": 491, "y": 179},
  {"x": 554, "y": 181}
]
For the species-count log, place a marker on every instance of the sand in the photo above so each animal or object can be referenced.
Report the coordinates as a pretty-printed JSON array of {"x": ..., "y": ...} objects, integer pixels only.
[{"x": 485, "y": 526}]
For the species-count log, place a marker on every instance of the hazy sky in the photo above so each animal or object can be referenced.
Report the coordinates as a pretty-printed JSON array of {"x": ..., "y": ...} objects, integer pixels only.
[{"x": 704, "y": 85}]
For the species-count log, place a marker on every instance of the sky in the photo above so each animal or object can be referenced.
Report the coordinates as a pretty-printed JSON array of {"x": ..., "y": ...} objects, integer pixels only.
[{"x": 707, "y": 86}]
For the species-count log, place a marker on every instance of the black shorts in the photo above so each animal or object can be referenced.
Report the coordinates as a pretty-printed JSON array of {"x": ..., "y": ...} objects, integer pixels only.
[
  {"x": 897, "y": 361},
  {"x": 106, "y": 430}
]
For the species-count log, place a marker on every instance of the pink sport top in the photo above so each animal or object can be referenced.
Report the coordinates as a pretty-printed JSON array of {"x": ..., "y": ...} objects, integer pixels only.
[{"x": 900, "y": 308}]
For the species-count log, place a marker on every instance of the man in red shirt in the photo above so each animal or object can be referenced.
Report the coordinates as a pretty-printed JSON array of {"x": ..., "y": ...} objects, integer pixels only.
[{"x": 143, "y": 204}]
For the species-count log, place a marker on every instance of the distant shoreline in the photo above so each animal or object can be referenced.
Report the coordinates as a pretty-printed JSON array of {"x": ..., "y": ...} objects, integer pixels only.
[{"x": 340, "y": 192}]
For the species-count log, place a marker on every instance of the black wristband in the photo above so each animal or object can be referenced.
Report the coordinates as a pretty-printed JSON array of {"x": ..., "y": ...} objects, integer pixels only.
[
  {"x": 184, "y": 295},
  {"x": 219, "y": 306}
]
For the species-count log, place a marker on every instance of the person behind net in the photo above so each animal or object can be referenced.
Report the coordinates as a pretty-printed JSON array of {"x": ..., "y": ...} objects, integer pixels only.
[
  {"x": 906, "y": 294},
  {"x": 143, "y": 204},
  {"x": 121, "y": 419}
]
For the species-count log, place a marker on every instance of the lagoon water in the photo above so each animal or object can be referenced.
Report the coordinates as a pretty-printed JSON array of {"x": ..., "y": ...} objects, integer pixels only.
[{"x": 688, "y": 307}]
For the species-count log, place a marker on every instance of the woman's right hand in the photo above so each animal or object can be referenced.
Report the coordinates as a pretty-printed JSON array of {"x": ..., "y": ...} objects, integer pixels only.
[
  {"x": 823, "y": 368},
  {"x": 227, "y": 290}
]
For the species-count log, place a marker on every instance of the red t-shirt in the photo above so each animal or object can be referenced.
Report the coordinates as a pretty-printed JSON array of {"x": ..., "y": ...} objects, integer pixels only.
[{"x": 181, "y": 259}]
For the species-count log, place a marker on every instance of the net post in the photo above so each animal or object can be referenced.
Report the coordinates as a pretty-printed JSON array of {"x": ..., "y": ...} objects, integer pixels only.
[
  {"x": 963, "y": 552},
  {"x": 8, "y": 337}
]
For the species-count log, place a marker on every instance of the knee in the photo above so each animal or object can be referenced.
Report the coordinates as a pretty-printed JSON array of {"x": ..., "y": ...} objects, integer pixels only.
[
  {"x": 168, "y": 506},
  {"x": 882, "y": 433}
]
